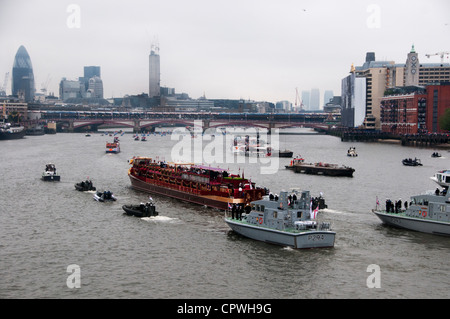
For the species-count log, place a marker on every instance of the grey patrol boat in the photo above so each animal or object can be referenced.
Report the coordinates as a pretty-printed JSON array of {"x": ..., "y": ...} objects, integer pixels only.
[
  {"x": 284, "y": 221},
  {"x": 427, "y": 213}
]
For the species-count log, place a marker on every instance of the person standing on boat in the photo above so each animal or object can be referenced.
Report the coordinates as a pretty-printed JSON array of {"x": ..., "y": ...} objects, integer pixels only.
[{"x": 233, "y": 211}]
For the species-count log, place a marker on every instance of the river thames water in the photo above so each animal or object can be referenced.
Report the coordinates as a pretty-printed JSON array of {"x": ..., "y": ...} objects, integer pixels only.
[{"x": 50, "y": 232}]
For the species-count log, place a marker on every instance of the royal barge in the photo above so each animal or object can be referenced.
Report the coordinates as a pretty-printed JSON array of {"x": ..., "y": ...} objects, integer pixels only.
[{"x": 203, "y": 185}]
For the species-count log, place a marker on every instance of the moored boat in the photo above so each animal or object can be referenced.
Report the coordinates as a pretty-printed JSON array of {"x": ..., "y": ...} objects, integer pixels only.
[
  {"x": 287, "y": 222},
  {"x": 323, "y": 169},
  {"x": 10, "y": 132},
  {"x": 50, "y": 173},
  {"x": 209, "y": 186}
]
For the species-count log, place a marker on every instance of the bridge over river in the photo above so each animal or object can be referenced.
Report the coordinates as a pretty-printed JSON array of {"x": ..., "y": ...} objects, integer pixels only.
[{"x": 140, "y": 122}]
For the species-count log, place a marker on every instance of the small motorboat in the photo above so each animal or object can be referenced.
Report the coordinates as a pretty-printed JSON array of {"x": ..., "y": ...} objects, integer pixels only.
[
  {"x": 105, "y": 196},
  {"x": 352, "y": 152},
  {"x": 285, "y": 153},
  {"x": 411, "y": 162},
  {"x": 436, "y": 154},
  {"x": 85, "y": 186},
  {"x": 50, "y": 173},
  {"x": 142, "y": 210}
]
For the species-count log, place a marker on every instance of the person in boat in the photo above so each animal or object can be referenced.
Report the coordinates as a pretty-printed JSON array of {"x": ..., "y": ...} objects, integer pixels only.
[{"x": 233, "y": 211}]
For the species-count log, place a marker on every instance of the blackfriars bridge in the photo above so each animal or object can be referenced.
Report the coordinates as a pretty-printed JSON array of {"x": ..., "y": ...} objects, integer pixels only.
[{"x": 91, "y": 121}]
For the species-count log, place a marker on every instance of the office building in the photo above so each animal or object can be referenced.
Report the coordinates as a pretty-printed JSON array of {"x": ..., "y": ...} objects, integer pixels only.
[
  {"x": 154, "y": 73},
  {"x": 353, "y": 100},
  {"x": 69, "y": 89},
  {"x": 305, "y": 100},
  {"x": 90, "y": 72},
  {"x": 314, "y": 100},
  {"x": 327, "y": 96},
  {"x": 410, "y": 110},
  {"x": 22, "y": 76},
  {"x": 95, "y": 88}
]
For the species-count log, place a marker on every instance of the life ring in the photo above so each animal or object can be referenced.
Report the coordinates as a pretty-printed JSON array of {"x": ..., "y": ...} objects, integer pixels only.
[
  {"x": 260, "y": 220},
  {"x": 424, "y": 213}
]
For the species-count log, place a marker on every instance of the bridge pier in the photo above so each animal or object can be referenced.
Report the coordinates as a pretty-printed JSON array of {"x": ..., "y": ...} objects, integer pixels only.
[
  {"x": 137, "y": 126},
  {"x": 70, "y": 129}
]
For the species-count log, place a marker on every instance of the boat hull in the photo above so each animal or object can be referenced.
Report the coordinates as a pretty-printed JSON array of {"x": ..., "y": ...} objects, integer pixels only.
[
  {"x": 318, "y": 170},
  {"x": 211, "y": 201},
  {"x": 51, "y": 178},
  {"x": 134, "y": 210},
  {"x": 12, "y": 136},
  {"x": 285, "y": 154},
  {"x": 417, "y": 224},
  {"x": 299, "y": 240}
]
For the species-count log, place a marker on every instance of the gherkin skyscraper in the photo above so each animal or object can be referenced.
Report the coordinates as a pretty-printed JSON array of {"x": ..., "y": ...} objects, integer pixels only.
[{"x": 22, "y": 75}]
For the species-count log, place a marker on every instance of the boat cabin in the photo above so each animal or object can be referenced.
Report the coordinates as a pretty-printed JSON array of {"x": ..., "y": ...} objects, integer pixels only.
[{"x": 288, "y": 211}]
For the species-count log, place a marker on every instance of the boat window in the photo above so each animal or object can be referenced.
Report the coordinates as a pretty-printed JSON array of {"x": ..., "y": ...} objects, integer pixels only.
[
  {"x": 299, "y": 214},
  {"x": 253, "y": 207},
  {"x": 275, "y": 214},
  {"x": 257, "y": 208},
  {"x": 447, "y": 179},
  {"x": 442, "y": 208},
  {"x": 262, "y": 208}
]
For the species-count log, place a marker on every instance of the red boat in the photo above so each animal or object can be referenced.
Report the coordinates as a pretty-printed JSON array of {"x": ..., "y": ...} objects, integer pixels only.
[{"x": 203, "y": 185}]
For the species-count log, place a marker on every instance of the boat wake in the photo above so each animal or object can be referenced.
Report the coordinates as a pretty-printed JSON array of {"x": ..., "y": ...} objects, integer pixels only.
[
  {"x": 333, "y": 211},
  {"x": 160, "y": 219}
]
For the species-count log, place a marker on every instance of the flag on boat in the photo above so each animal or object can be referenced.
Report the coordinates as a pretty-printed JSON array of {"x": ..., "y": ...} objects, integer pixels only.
[{"x": 313, "y": 213}]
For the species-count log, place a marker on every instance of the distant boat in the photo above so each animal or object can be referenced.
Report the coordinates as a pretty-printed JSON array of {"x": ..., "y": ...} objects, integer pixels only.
[
  {"x": 352, "y": 152},
  {"x": 113, "y": 147},
  {"x": 436, "y": 154},
  {"x": 105, "y": 196},
  {"x": 9, "y": 132},
  {"x": 297, "y": 159},
  {"x": 324, "y": 169},
  {"x": 411, "y": 162},
  {"x": 50, "y": 174}
]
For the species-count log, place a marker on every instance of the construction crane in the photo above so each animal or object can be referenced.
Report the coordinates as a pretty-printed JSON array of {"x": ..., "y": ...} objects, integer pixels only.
[
  {"x": 5, "y": 84},
  {"x": 441, "y": 54},
  {"x": 45, "y": 85},
  {"x": 297, "y": 99}
]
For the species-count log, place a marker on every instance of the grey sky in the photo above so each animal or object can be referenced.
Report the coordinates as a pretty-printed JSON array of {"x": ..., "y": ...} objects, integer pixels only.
[{"x": 256, "y": 49}]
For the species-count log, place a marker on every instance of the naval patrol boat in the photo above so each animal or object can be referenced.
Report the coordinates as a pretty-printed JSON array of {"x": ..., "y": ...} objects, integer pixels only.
[
  {"x": 289, "y": 220},
  {"x": 427, "y": 213}
]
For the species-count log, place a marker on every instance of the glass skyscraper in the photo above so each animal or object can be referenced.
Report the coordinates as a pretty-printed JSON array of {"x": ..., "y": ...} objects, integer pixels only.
[{"x": 22, "y": 76}]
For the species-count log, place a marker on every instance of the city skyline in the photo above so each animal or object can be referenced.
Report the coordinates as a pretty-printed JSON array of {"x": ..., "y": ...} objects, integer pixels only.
[{"x": 260, "y": 50}]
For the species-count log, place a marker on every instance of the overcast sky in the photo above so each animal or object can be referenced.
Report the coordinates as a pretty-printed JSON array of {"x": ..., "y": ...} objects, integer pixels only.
[{"x": 230, "y": 49}]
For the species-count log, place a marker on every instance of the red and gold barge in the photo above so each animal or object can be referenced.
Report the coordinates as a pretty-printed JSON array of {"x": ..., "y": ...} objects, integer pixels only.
[{"x": 203, "y": 185}]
